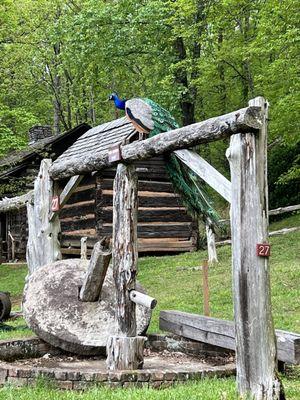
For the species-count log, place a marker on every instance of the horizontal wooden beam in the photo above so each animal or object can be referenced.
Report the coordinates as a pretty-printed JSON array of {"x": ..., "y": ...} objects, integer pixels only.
[
  {"x": 15, "y": 203},
  {"x": 206, "y": 172},
  {"x": 282, "y": 210},
  {"x": 220, "y": 333},
  {"x": 244, "y": 120}
]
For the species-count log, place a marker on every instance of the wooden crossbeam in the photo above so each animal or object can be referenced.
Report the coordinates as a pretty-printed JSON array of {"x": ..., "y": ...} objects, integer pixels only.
[
  {"x": 15, "y": 203},
  {"x": 244, "y": 120}
]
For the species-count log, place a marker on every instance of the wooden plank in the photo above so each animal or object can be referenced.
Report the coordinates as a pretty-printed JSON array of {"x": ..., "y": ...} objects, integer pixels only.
[
  {"x": 66, "y": 193},
  {"x": 244, "y": 120},
  {"x": 206, "y": 172},
  {"x": 149, "y": 201},
  {"x": 147, "y": 214},
  {"x": 96, "y": 272},
  {"x": 220, "y": 332},
  {"x": 83, "y": 222},
  {"x": 148, "y": 185},
  {"x": 76, "y": 210},
  {"x": 255, "y": 338}
]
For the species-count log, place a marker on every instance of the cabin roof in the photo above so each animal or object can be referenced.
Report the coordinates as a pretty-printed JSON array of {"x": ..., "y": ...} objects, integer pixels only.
[
  {"x": 99, "y": 139},
  {"x": 15, "y": 159}
]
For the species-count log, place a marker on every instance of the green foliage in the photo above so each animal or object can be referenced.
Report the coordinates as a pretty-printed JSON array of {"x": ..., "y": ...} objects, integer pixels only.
[
  {"x": 284, "y": 175},
  {"x": 60, "y": 59}
]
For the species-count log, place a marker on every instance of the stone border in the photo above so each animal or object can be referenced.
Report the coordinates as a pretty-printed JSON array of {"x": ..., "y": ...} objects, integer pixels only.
[
  {"x": 22, "y": 375},
  {"x": 67, "y": 379},
  {"x": 32, "y": 347}
]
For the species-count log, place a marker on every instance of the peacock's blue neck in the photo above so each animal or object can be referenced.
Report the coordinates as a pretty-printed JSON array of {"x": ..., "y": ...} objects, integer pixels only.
[{"x": 120, "y": 104}]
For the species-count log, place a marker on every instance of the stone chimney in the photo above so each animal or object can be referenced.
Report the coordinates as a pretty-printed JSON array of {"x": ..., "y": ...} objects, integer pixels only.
[{"x": 39, "y": 132}]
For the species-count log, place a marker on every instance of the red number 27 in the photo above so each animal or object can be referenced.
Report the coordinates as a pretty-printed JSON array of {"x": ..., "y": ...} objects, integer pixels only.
[{"x": 263, "y": 250}]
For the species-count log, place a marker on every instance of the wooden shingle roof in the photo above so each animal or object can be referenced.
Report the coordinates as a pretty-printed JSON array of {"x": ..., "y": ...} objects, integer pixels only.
[{"x": 98, "y": 139}]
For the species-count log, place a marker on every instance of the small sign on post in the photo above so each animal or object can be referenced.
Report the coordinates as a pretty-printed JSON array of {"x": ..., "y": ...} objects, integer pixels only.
[
  {"x": 114, "y": 153},
  {"x": 55, "y": 203},
  {"x": 263, "y": 250}
]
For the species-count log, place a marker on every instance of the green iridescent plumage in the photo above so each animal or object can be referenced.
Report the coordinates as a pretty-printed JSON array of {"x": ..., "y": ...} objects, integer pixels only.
[{"x": 186, "y": 183}]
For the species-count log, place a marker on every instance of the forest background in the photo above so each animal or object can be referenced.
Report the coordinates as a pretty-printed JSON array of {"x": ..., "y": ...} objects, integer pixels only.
[{"x": 60, "y": 59}]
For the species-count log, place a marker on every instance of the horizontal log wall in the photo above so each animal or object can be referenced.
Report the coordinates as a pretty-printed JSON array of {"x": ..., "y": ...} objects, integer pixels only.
[{"x": 163, "y": 224}]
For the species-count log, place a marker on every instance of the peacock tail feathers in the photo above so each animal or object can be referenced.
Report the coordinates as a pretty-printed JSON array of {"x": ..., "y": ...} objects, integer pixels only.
[
  {"x": 190, "y": 187},
  {"x": 163, "y": 120}
]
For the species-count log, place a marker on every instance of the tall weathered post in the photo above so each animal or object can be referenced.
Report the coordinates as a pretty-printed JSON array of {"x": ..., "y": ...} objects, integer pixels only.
[
  {"x": 125, "y": 351},
  {"x": 43, "y": 246},
  {"x": 255, "y": 336}
]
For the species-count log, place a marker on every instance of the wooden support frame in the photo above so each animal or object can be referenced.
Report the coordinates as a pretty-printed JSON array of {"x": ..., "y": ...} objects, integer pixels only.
[
  {"x": 125, "y": 351},
  {"x": 206, "y": 172},
  {"x": 244, "y": 120},
  {"x": 255, "y": 337}
]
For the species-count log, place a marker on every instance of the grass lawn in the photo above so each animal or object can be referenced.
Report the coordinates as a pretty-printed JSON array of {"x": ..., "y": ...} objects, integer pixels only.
[{"x": 182, "y": 290}]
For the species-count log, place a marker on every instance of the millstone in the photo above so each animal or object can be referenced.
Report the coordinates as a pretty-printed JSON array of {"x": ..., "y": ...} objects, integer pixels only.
[{"x": 54, "y": 312}]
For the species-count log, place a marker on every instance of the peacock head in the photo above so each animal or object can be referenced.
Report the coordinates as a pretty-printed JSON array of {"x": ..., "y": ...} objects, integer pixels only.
[
  {"x": 113, "y": 96},
  {"x": 118, "y": 102}
]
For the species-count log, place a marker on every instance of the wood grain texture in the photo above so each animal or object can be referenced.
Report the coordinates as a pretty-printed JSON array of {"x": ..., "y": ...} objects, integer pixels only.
[
  {"x": 96, "y": 272},
  {"x": 220, "y": 332},
  {"x": 72, "y": 184},
  {"x": 211, "y": 243},
  {"x": 245, "y": 120},
  {"x": 125, "y": 246},
  {"x": 206, "y": 172},
  {"x": 43, "y": 245},
  {"x": 125, "y": 353},
  {"x": 255, "y": 338},
  {"x": 15, "y": 203}
]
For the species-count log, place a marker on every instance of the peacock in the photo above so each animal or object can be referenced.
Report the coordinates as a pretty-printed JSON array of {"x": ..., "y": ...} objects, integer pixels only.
[{"x": 150, "y": 118}]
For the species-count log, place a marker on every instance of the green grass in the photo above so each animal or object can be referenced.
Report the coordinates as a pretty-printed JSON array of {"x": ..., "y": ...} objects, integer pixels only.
[
  {"x": 182, "y": 290},
  {"x": 288, "y": 222},
  {"x": 206, "y": 389},
  {"x": 217, "y": 388}
]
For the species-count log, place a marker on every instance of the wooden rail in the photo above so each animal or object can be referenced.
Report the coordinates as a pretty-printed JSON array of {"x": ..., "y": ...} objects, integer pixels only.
[
  {"x": 244, "y": 120},
  {"x": 220, "y": 332}
]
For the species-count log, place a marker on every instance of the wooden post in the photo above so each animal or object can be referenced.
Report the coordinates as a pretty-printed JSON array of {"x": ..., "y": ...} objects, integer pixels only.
[
  {"x": 255, "y": 337},
  {"x": 125, "y": 351},
  {"x": 205, "y": 288},
  {"x": 83, "y": 248},
  {"x": 95, "y": 275},
  {"x": 211, "y": 243},
  {"x": 43, "y": 245}
]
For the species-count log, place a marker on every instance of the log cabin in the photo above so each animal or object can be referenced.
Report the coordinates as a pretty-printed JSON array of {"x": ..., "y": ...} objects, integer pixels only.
[
  {"x": 17, "y": 173},
  {"x": 163, "y": 224}
]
